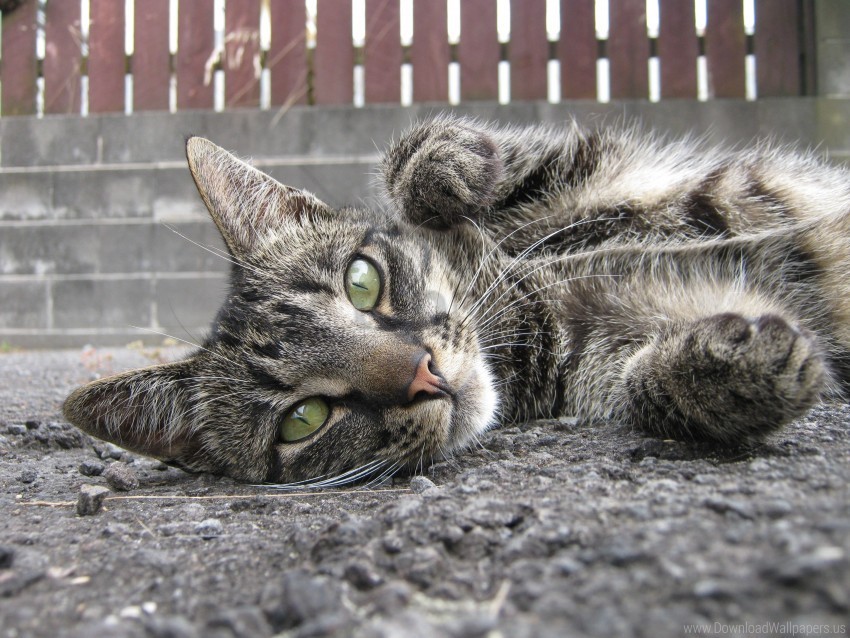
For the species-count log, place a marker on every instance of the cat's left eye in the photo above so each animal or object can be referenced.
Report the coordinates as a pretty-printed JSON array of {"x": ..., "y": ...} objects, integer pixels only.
[
  {"x": 304, "y": 419},
  {"x": 363, "y": 284}
]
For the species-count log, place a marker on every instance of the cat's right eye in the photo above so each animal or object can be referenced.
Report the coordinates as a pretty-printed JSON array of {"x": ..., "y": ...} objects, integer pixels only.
[{"x": 304, "y": 419}]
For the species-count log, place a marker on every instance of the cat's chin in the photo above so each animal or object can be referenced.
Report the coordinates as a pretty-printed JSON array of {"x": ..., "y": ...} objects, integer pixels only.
[{"x": 475, "y": 405}]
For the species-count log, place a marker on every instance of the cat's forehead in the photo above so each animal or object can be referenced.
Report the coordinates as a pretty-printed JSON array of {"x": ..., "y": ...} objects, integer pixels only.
[{"x": 325, "y": 246}]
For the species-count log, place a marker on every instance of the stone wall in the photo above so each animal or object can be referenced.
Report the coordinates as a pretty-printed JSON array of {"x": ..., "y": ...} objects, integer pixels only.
[
  {"x": 832, "y": 48},
  {"x": 102, "y": 233}
]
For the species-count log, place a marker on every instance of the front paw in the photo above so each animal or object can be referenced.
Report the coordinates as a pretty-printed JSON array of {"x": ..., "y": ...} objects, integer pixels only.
[
  {"x": 442, "y": 172},
  {"x": 726, "y": 378}
]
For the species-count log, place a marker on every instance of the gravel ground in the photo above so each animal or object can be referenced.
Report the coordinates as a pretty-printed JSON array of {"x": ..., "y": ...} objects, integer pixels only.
[{"x": 552, "y": 528}]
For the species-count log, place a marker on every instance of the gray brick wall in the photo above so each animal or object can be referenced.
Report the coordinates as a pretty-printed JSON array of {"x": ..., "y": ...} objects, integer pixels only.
[
  {"x": 832, "y": 26},
  {"x": 101, "y": 228}
]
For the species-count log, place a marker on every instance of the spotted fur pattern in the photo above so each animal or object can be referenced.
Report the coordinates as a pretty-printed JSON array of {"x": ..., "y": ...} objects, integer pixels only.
[{"x": 691, "y": 293}]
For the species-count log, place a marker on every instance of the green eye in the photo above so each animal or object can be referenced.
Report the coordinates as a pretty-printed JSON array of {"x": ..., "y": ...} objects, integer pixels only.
[
  {"x": 307, "y": 417},
  {"x": 363, "y": 282}
]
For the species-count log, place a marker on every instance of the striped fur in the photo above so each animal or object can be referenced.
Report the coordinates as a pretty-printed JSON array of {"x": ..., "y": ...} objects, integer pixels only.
[{"x": 692, "y": 293}]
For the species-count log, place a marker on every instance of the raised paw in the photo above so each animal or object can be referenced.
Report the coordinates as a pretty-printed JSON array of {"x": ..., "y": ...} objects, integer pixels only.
[
  {"x": 726, "y": 378},
  {"x": 441, "y": 172}
]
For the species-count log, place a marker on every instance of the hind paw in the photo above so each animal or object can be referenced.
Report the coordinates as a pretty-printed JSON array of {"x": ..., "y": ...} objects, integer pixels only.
[{"x": 729, "y": 378}]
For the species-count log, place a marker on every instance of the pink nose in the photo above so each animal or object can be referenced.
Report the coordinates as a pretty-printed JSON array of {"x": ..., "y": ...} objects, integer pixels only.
[{"x": 425, "y": 380}]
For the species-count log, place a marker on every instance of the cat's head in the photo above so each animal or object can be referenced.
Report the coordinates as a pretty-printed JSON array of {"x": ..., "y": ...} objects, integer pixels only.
[{"x": 336, "y": 350}]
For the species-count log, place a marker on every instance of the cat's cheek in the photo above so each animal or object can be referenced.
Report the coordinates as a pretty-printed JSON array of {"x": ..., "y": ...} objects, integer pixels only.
[{"x": 283, "y": 459}]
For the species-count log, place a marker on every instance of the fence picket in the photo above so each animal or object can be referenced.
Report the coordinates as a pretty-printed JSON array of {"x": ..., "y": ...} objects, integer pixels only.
[
  {"x": 777, "y": 67},
  {"x": 808, "y": 47},
  {"x": 478, "y": 50},
  {"x": 725, "y": 49},
  {"x": 151, "y": 56},
  {"x": 195, "y": 46},
  {"x": 678, "y": 49},
  {"x": 529, "y": 50},
  {"x": 287, "y": 58},
  {"x": 628, "y": 49},
  {"x": 325, "y": 75},
  {"x": 382, "y": 54},
  {"x": 333, "y": 60},
  {"x": 107, "y": 63},
  {"x": 241, "y": 59},
  {"x": 577, "y": 49},
  {"x": 62, "y": 57},
  {"x": 429, "y": 52},
  {"x": 19, "y": 67}
]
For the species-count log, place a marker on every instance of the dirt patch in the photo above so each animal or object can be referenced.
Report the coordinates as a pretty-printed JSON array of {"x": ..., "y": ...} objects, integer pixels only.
[{"x": 551, "y": 528}]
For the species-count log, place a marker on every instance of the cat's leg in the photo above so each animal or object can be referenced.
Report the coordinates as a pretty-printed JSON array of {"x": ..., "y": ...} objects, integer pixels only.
[
  {"x": 449, "y": 170},
  {"x": 721, "y": 364},
  {"x": 531, "y": 188},
  {"x": 564, "y": 189},
  {"x": 724, "y": 341}
]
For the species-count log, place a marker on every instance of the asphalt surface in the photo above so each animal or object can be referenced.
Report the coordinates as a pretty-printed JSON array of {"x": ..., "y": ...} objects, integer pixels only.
[{"x": 552, "y": 528}]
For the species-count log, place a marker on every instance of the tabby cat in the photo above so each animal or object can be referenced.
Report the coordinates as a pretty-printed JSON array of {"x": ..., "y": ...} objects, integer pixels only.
[{"x": 516, "y": 273}]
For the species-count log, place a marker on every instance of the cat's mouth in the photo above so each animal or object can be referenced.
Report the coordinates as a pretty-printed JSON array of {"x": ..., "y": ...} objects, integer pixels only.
[{"x": 449, "y": 417}]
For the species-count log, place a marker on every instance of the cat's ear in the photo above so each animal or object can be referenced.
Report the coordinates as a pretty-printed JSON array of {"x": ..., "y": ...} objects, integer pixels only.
[
  {"x": 142, "y": 410},
  {"x": 246, "y": 204}
]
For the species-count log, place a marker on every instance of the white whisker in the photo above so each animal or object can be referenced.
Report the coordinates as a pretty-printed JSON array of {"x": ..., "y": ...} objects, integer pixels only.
[
  {"x": 324, "y": 482},
  {"x": 214, "y": 251}
]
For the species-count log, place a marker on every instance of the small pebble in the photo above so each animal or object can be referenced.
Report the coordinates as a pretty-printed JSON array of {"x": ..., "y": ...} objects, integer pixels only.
[
  {"x": 392, "y": 544},
  {"x": 809, "y": 566},
  {"x": 419, "y": 484},
  {"x": 115, "y": 529},
  {"x": 777, "y": 508},
  {"x": 759, "y": 465},
  {"x": 16, "y": 428},
  {"x": 623, "y": 555},
  {"x": 362, "y": 576},
  {"x": 391, "y": 597},
  {"x": 711, "y": 588},
  {"x": 171, "y": 626},
  {"x": 90, "y": 499},
  {"x": 722, "y": 506},
  {"x": 7, "y": 556},
  {"x": 121, "y": 477},
  {"x": 565, "y": 566},
  {"x": 131, "y": 611},
  {"x": 209, "y": 528},
  {"x": 91, "y": 468},
  {"x": 109, "y": 450},
  {"x": 240, "y": 621},
  {"x": 28, "y": 476},
  {"x": 476, "y": 624},
  {"x": 297, "y": 598},
  {"x": 168, "y": 529}
]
